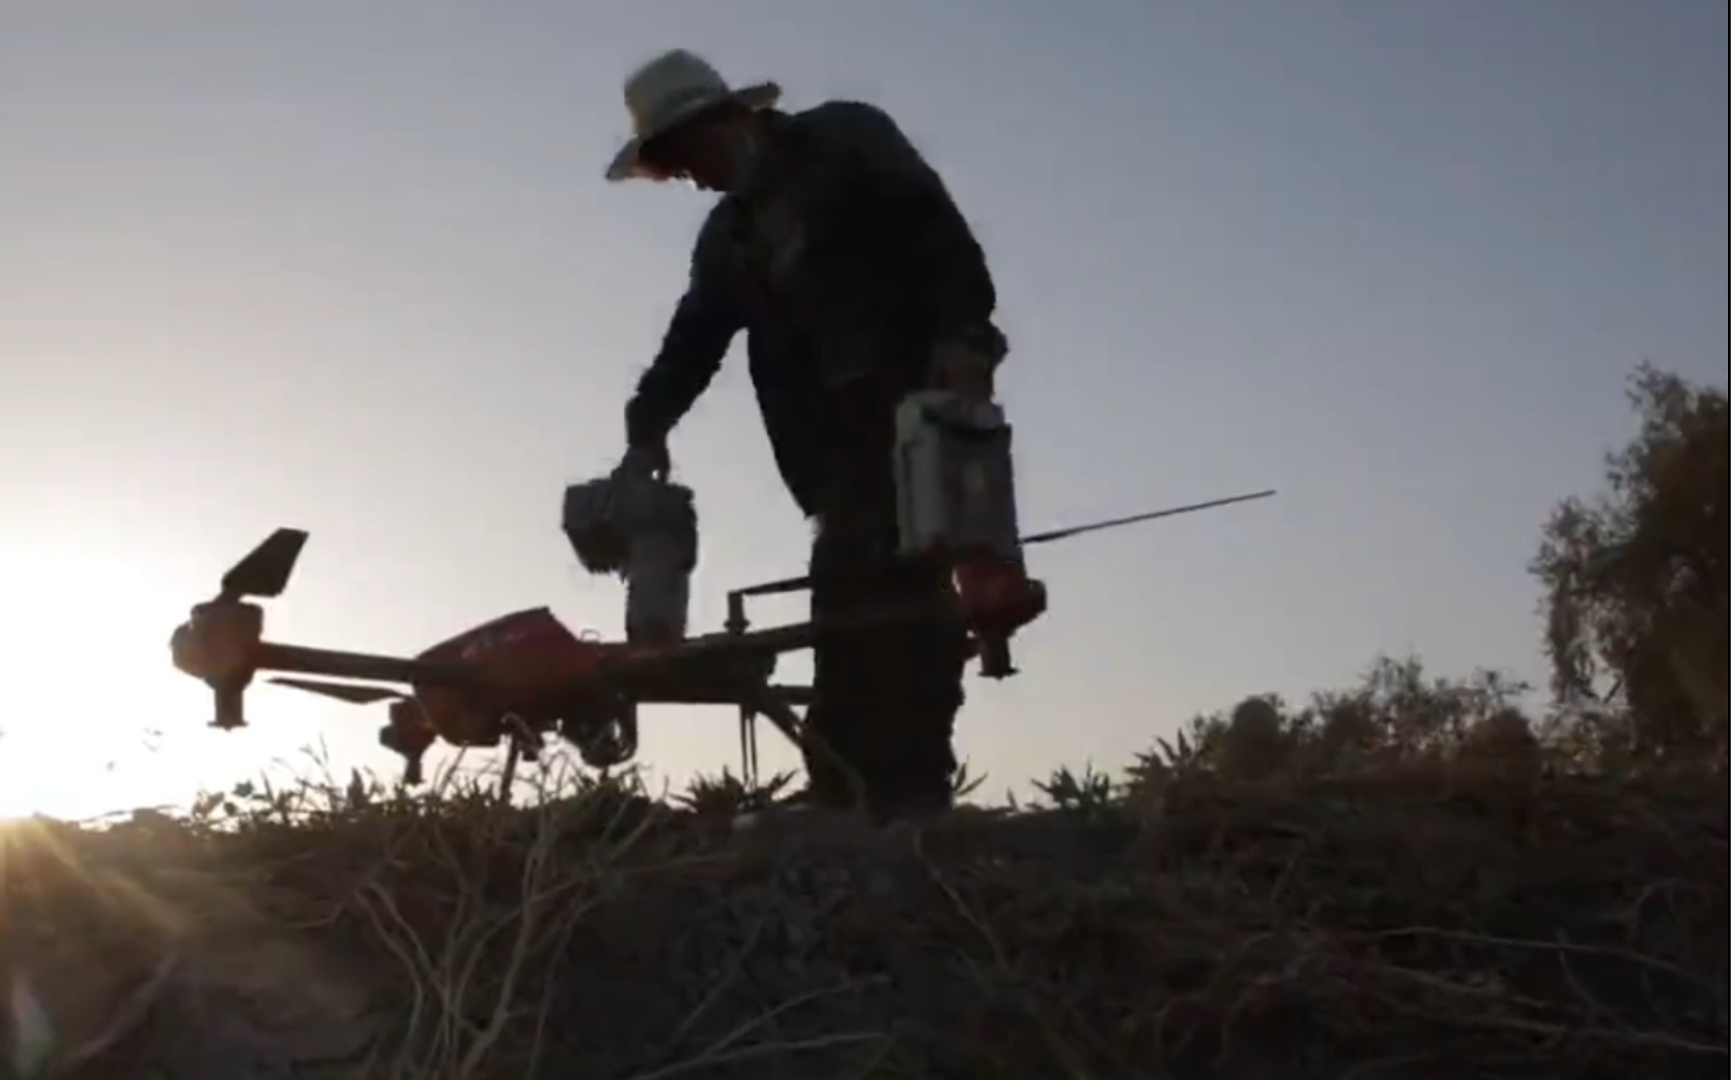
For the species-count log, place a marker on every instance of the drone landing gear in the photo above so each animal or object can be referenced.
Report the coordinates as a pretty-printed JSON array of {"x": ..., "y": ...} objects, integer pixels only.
[
  {"x": 604, "y": 730},
  {"x": 525, "y": 744}
]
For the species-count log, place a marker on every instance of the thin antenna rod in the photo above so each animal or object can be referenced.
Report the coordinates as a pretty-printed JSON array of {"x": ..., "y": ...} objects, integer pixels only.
[
  {"x": 795, "y": 584},
  {"x": 1077, "y": 530}
]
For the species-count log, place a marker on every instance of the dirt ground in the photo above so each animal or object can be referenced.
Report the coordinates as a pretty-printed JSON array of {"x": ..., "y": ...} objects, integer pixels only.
[{"x": 1419, "y": 926}]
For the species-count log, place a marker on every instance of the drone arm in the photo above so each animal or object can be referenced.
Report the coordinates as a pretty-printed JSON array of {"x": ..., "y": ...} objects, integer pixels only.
[{"x": 303, "y": 660}]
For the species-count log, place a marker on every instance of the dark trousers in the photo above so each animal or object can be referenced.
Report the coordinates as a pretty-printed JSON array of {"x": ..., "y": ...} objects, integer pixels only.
[{"x": 885, "y": 697}]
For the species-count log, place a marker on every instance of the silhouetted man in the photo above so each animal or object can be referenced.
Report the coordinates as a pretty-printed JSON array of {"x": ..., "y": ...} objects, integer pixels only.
[{"x": 840, "y": 253}]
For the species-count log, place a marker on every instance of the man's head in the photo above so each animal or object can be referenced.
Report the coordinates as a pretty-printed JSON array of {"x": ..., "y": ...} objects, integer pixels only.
[
  {"x": 689, "y": 124},
  {"x": 715, "y": 150}
]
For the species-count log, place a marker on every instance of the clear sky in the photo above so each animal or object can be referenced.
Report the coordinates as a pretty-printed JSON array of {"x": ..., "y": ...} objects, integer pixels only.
[{"x": 351, "y": 265}]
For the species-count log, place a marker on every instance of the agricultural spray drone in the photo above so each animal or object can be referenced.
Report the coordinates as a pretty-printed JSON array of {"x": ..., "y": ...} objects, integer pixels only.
[{"x": 522, "y": 677}]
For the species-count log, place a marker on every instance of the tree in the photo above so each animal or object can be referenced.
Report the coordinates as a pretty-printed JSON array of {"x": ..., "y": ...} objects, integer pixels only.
[
  {"x": 1397, "y": 712},
  {"x": 1635, "y": 587}
]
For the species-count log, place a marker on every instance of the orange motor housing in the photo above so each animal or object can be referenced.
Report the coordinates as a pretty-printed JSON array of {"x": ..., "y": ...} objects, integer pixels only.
[{"x": 997, "y": 599}]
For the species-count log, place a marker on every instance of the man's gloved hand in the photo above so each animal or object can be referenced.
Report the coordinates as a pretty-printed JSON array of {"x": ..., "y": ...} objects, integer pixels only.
[{"x": 650, "y": 459}]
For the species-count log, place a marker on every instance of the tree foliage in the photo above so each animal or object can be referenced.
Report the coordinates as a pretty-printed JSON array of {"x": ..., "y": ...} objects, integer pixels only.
[
  {"x": 1635, "y": 586},
  {"x": 1398, "y": 712}
]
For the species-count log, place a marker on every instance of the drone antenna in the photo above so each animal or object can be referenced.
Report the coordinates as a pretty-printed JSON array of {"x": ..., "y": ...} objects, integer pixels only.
[
  {"x": 1113, "y": 523},
  {"x": 795, "y": 584}
]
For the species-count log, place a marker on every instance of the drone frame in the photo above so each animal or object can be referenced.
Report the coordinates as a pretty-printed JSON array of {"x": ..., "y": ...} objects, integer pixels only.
[{"x": 222, "y": 645}]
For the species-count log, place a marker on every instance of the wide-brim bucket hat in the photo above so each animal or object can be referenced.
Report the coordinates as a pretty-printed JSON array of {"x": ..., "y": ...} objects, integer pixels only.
[{"x": 671, "y": 89}]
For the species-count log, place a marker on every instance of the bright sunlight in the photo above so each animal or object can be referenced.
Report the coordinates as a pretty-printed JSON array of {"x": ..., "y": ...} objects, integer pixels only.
[{"x": 94, "y": 720}]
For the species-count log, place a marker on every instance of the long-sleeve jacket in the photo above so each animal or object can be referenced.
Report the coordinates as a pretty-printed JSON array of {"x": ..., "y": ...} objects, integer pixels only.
[{"x": 844, "y": 259}]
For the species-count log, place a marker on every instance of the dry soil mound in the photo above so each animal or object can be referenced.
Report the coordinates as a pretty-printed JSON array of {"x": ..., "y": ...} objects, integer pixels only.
[{"x": 1415, "y": 927}]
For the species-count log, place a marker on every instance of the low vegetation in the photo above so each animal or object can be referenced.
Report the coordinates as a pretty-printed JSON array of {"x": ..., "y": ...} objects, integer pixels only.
[{"x": 1416, "y": 877}]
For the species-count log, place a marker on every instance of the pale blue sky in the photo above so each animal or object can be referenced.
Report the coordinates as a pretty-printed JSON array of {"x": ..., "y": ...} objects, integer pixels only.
[{"x": 352, "y": 266}]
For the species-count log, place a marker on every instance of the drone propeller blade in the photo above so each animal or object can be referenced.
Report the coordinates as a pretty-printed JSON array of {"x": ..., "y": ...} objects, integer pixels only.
[
  {"x": 265, "y": 571},
  {"x": 1114, "y": 523},
  {"x": 353, "y": 693}
]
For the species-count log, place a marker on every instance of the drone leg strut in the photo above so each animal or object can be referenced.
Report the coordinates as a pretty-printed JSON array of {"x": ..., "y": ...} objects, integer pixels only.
[
  {"x": 779, "y": 711},
  {"x": 523, "y": 744},
  {"x": 737, "y": 623},
  {"x": 508, "y": 776},
  {"x": 748, "y": 747}
]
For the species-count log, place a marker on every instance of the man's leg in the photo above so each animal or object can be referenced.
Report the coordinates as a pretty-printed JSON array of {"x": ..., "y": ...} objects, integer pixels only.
[{"x": 886, "y": 697}]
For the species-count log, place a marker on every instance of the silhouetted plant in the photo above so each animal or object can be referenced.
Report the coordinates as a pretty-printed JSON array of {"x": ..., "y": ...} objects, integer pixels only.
[
  {"x": 1635, "y": 580},
  {"x": 1089, "y": 792},
  {"x": 725, "y": 794}
]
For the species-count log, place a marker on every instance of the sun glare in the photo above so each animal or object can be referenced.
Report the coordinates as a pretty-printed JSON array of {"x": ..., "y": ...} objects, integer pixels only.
[{"x": 90, "y": 698}]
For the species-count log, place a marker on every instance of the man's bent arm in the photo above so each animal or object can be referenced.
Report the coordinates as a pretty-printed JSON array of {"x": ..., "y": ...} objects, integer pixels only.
[
  {"x": 888, "y": 171},
  {"x": 697, "y": 339}
]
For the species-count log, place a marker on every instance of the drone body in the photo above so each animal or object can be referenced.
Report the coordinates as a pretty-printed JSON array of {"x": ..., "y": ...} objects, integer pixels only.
[
  {"x": 526, "y": 666},
  {"x": 515, "y": 679},
  {"x": 524, "y": 676}
]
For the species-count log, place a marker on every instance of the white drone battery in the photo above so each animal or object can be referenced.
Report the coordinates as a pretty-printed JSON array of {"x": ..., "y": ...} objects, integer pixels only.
[{"x": 955, "y": 481}]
